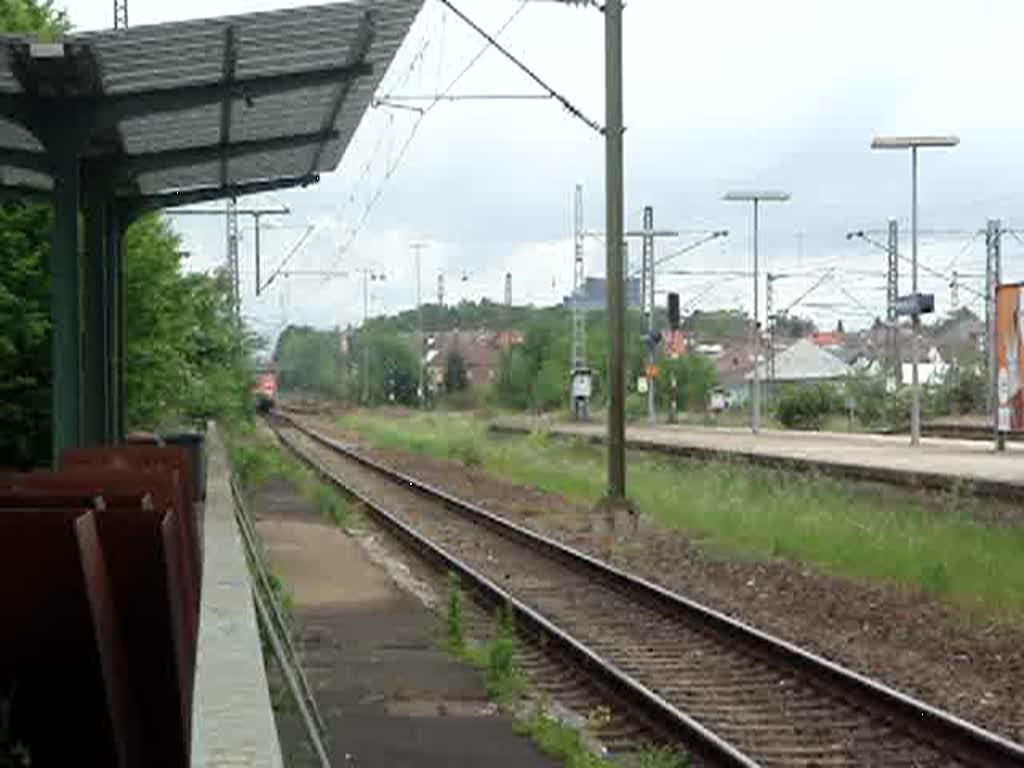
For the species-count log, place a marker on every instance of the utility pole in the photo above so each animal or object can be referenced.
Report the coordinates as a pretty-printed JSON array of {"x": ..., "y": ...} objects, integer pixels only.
[
  {"x": 614, "y": 212},
  {"x": 257, "y": 214},
  {"x": 120, "y": 14},
  {"x": 231, "y": 218},
  {"x": 366, "y": 343},
  {"x": 769, "y": 307},
  {"x": 892, "y": 292},
  {"x": 647, "y": 294},
  {"x": 579, "y": 375},
  {"x": 421, "y": 392},
  {"x": 993, "y": 269},
  {"x": 368, "y": 276}
]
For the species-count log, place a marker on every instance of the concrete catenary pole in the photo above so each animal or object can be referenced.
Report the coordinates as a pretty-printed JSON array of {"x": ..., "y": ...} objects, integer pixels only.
[
  {"x": 755, "y": 339},
  {"x": 915, "y": 343},
  {"x": 614, "y": 259}
]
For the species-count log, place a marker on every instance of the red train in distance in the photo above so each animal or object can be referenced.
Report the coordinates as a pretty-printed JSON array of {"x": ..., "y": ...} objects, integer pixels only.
[{"x": 265, "y": 390}]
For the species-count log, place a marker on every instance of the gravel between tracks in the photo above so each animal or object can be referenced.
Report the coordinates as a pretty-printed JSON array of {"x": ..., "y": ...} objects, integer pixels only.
[
  {"x": 911, "y": 642},
  {"x": 773, "y": 716}
]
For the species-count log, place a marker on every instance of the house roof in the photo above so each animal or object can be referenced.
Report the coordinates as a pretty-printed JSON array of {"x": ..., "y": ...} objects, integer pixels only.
[{"x": 806, "y": 361}]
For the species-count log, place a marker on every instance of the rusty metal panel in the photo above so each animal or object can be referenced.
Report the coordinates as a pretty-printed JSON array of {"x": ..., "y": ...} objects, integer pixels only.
[
  {"x": 51, "y": 666},
  {"x": 120, "y": 699}
]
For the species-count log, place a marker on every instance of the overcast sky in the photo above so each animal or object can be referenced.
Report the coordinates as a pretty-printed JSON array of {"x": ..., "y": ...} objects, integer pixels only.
[{"x": 719, "y": 95}]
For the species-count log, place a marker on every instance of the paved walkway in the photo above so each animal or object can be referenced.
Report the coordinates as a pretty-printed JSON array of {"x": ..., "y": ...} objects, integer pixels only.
[
  {"x": 937, "y": 462},
  {"x": 391, "y": 699}
]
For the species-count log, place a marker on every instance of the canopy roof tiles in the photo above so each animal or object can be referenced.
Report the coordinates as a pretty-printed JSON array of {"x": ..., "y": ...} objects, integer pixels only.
[{"x": 198, "y": 109}]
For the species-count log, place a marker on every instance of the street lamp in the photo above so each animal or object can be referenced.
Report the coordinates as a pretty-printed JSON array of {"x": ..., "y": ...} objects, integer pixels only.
[
  {"x": 912, "y": 143},
  {"x": 746, "y": 196}
]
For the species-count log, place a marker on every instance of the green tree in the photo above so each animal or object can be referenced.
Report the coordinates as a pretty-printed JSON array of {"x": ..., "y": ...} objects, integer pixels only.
[
  {"x": 695, "y": 378},
  {"x": 25, "y": 289},
  {"x": 24, "y": 334},
  {"x": 32, "y": 17},
  {"x": 455, "y": 379}
]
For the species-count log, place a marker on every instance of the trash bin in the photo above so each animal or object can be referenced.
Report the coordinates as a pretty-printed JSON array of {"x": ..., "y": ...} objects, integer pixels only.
[{"x": 195, "y": 444}]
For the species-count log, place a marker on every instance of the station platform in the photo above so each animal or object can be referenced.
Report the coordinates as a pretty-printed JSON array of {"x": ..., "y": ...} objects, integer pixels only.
[
  {"x": 389, "y": 695},
  {"x": 938, "y": 463}
]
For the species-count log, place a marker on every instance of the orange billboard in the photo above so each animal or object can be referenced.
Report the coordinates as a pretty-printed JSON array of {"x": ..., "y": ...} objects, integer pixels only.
[{"x": 1009, "y": 353}]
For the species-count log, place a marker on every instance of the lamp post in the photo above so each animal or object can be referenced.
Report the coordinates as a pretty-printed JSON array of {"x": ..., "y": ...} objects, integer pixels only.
[
  {"x": 745, "y": 196},
  {"x": 912, "y": 143}
]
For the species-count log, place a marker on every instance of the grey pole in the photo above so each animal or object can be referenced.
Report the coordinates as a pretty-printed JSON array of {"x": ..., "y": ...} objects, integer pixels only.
[
  {"x": 366, "y": 345},
  {"x": 256, "y": 227},
  {"x": 614, "y": 237},
  {"x": 993, "y": 241},
  {"x": 755, "y": 395},
  {"x": 915, "y": 382},
  {"x": 649, "y": 306},
  {"x": 417, "y": 247}
]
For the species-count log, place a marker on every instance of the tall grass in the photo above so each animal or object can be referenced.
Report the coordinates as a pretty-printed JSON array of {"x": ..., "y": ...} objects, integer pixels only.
[{"x": 934, "y": 544}]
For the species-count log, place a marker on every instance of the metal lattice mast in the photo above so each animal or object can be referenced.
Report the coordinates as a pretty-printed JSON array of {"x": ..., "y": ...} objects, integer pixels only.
[
  {"x": 231, "y": 217},
  {"x": 769, "y": 308},
  {"x": 648, "y": 300},
  {"x": 892, "y": 290},
  {"x": 120, "y": 14},
  {"x": 993, "y": 236},
  {"x": 440, "y": 290},
  {"x": 579, "y": 318}
]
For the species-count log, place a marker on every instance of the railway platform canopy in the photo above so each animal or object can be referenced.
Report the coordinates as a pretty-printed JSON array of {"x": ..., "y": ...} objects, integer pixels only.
[{"x": 110, "y": 125}]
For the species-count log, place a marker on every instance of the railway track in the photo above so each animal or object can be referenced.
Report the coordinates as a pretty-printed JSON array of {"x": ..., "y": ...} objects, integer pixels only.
[{"x": 727, "y": 692}]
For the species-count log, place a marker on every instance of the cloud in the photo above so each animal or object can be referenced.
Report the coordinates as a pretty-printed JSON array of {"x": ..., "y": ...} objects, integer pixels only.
[{"x": 718, "y": 95}]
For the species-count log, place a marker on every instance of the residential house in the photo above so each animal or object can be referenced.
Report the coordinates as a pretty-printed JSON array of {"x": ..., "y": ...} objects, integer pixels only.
[
  {"x": 480, "y": 351},
  {"x": 803, "y": 362}
]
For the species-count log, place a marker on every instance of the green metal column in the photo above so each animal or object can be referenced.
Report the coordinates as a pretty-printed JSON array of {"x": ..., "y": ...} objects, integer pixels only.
[
  {"x": 121, "y": 222},
  {"x": 96, "y": 301},
  {"x": 113, "y": 315},
  {"x": 64, "y": 305}
]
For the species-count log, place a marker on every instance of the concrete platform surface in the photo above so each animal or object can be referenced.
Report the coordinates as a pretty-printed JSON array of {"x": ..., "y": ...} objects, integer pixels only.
[
  {"x": 389, "y": 696},
  {"x": 972, "y": 460}
]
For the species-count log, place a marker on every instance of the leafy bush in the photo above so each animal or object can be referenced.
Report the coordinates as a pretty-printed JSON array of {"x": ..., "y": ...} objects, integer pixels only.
[
  {"x": 805, "y": 406},
  {"x": 466, "y": 451}
]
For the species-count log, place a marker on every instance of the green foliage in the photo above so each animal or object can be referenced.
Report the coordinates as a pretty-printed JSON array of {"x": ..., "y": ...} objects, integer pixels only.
[
  {"x": 464, "y": 315},
  {"x": 793, "y": 326},
  {"x": 311, "y": 360},
  {"x": 455, "y": 630},
  {"x": 869, "y": 397},
  {"x": 186, "y": 356},
  {"x": 465, "y": 449},
  {"x": 695, "y": 377},
  {"x": 847, "y": 529},
  {"x": 551, "y": 386},
  {"x": 31, "y": 17},
  {"x": 24, "y": 334},
  {"x": 329, "y": 504},
  {"x": 805, "y": 406},
  {"x": 559, "y": 740},
  {"x": 717, "y": 324},
  {"x": 455, "y": 378}
]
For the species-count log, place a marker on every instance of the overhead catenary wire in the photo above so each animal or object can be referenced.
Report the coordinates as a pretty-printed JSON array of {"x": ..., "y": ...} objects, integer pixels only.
[
  {"x": 571, "y": 108},
  {"x": 393, "y": 165}
]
